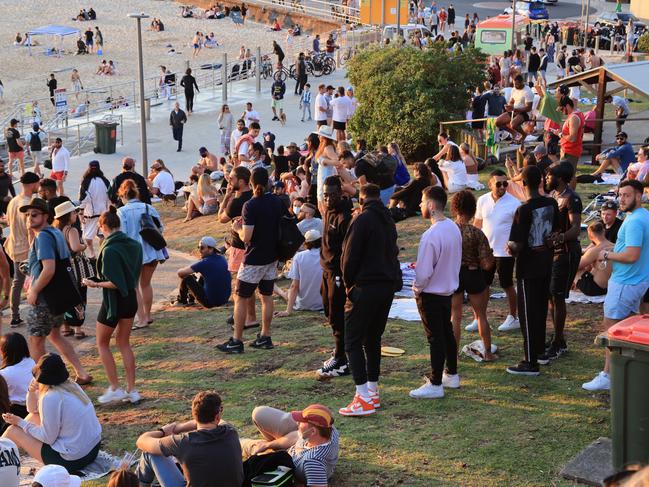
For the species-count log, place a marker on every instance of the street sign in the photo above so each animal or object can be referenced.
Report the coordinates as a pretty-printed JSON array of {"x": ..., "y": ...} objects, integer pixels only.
[{"x": 61, "y": 100}]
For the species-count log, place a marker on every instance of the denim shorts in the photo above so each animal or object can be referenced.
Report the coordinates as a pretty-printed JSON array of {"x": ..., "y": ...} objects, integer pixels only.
[{"x": 623, "y": 300}]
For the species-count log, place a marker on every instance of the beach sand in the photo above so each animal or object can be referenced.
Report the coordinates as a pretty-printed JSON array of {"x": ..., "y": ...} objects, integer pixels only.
[{"x": 24, "y": 76}]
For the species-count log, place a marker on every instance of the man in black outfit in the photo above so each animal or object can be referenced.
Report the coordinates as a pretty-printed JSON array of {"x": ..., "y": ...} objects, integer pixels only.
[
  {"x": 567, "y": 253},
  {"x": 529, "y": 241},
  {"x": 52, "y": 84},
  {"x": 7, "y": 191},
  {"x": 533, "y": 65},
  {"x": 177, "y": 120},
  {"x": 301, "y": 76},
  {"x": 337, "y": 217},
  {"x": 128, "y": 172},
  {"x": 371, "y": 275}
]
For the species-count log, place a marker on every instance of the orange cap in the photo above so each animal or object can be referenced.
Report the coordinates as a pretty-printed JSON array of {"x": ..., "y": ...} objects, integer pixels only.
[{"x": 315, "y": 414}]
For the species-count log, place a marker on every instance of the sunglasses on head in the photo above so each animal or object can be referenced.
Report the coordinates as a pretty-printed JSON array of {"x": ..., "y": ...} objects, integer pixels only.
[{"x": 502, "y": 184}]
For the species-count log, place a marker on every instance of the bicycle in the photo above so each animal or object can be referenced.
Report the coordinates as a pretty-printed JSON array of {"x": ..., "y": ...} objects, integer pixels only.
[
  {"x": 347, "y": 55},
  {"x": 281, "y": 74}
]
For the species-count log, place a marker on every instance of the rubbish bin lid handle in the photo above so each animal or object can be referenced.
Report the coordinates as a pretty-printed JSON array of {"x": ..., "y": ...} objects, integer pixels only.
[{"x": 634, "y": 329}]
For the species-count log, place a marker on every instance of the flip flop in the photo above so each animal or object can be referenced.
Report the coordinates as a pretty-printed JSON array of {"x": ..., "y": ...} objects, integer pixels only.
[
  {"x": 80, "y": 336},
  {"x": 67, "y": 333},
  {"x": 139, "y": 326}
]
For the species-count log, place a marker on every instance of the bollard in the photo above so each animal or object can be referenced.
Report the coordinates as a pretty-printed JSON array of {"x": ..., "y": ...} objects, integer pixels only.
[
  {"x": 597, "y": 45},
  {"x": 224, "y": 78},
  {"x": 258, "y": 70},
  {"x": 186, "y": 64}
]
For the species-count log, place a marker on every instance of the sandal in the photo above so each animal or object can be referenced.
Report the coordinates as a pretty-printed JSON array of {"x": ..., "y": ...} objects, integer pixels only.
[
  {"x": 80, "y": 336},
  {"x": 67, "y": 333}
]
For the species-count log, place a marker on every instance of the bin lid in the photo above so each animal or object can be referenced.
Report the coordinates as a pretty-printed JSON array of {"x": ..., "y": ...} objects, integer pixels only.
[
  {"x": 634, "y": 330},
  {"x": 105, "y": 123}
]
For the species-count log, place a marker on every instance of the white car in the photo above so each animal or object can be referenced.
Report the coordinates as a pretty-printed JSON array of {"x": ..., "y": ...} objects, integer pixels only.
[{"x": 407, "y": 30}]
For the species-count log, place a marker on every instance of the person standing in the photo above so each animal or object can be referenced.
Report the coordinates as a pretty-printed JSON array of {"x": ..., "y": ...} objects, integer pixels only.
[
  {"x": 321, "y": 107},
  {"x": 451, "y": 17},
  {"x": 52, "y": 84},
  {"x": 259, "y": 230},
  {"x": 17, "y": 244},
  {"x": 60, "y": 165},
  {"x": 48, "y": 246},
  {"x": 337, "y": 217},
  {"x": 177, "y": 120},
  {"x": 89, "y": 35},
  {"x": 630, "y": 275},
  {"x": 7, "y": 190},
  {"x": 567, "y": 253},
  {"x": 533, "y": 65},
  {"x": 15, "y": 147},
  {"x": 226, "y": 124},
  {"x": 35, "y": 141},
  {"x": 128, "y": 172},
  {"x": 436, "y": 278},
  {"x": 301, "y": 76},
  {"x": 189, "y": 83},
  {"x": 371, "y": 275},
  {"x": 342, "y": 107},
  {"x": 572, "y": 132},
  {"x": 277, "y": 90},
  {"x": 305, "y": 102},
  {"x": 529, "y": 242},
  {"x": 93, "y": 199},
  {"x": 99, "y": 39},
  {"x": 495, "y": 215}
]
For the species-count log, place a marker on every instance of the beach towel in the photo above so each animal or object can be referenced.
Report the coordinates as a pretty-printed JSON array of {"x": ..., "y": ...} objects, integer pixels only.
[
  {"x": 102, "y": 466},
  {"x": 491, "y": 142},
  {"x": 404, "y": 309},
  {"x": 610, "y": 179}
]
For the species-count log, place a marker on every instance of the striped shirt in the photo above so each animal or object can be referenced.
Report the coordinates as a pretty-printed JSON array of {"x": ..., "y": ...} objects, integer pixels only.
[
  {"x": 315, "y": 465},
  {"x": 306, "y": 97}
]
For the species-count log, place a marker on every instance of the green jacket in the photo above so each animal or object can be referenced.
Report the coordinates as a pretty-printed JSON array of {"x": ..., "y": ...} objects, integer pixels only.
[{"x": 119, "y": 261}]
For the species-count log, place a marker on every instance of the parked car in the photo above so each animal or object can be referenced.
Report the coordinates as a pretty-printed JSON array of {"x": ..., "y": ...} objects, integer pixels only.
[
  {"x": 546, "y": 2},
  {"x": 611, "y": 18},
  {"x": 407, "y": 30},
  {"x": 533, "y": 10}
]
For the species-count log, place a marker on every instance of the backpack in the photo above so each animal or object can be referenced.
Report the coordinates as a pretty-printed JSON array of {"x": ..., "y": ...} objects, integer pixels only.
[
  {"x": 35, "y": 143},
  {"x": 385, "y": 164},
  {"x": 290, "y": 239}
]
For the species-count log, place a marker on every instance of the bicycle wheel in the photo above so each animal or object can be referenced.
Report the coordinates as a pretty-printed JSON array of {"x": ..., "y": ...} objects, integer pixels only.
[
  {"x": 327, "y": 69},
  {"x": 329, "y": 61},
  {"x": 291, "y": 71},
  {"x": 309, "y": 67},
  {"x": 280, "y": 75},
  {"x": 317, "y": 68}
]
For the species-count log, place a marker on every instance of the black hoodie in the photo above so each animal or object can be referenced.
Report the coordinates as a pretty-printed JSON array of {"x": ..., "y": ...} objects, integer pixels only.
[
  {"x": 335, "y": 225},
  {"x": 370, "y": 249}
]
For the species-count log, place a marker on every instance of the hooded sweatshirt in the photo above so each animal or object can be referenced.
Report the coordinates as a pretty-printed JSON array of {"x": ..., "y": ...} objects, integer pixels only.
[
  {"x": 336, "y": 223},
  {"x": 370, "y": 249}
]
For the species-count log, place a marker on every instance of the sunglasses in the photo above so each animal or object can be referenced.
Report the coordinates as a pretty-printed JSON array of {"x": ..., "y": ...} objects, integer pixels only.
[
  {"x": 34, "y": 214},
  {"x": 201, "y": 247},
  {"x": 502, "y": 184},
  {"x": 620, "y": 138}
]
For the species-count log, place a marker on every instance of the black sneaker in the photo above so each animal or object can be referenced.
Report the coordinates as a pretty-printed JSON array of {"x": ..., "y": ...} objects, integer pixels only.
[
  {"x": 231, "y": 346},
  {"x": 523, "y": 368},
  {"x": 275, "y": 118},
  {"x": 554, "y": 351},
  {"x": 230, "y": 320},
  {"x": 262, "y": 342},
  {"x": 16, "y": 322},
  {"x": 333, "y": 368},
  {"x": 181, "y": 304}
]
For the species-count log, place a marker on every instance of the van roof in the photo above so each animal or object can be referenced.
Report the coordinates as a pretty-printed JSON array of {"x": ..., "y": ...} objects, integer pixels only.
[{"x": 502, "y": 21}]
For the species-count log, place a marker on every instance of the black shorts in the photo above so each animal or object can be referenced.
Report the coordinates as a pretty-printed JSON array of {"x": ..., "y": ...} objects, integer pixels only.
[
  {"x": 620, "y": 119},
  {"x": 339, "y": 125},
  {"x": 472, "y": 281},
  {"x": 505, "y": 268},
  {"x": 126, "y": 309},
  {"x": 564, "y": 270},
  {"x": 587, "y": 285},
  {"x": 320, "y": 123},
  {"x": 645, "y": 299},
  {"x": 525, "y": 115}
]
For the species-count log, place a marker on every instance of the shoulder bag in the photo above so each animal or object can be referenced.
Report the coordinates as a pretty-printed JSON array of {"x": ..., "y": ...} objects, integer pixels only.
[{"x": 150, "y": 232}]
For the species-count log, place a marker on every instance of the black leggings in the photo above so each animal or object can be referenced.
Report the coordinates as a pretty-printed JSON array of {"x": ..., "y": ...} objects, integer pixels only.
[
  {"x": 189, "y": 101},
  {"x": 190, "y": 286},
  {"x": 435, "y": 312}
]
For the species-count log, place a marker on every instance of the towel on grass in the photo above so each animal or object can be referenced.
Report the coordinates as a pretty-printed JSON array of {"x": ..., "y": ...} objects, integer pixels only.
[{"x": 102, "y": 466}]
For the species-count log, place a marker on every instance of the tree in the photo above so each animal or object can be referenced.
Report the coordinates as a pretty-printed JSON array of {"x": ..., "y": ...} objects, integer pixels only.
[
  {"x": 643, "y": 43},
  {"x": 404, "y": 93}
]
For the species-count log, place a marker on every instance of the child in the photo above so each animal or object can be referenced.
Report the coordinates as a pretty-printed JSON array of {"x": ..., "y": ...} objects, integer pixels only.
[{"x": 305, "y": 101}]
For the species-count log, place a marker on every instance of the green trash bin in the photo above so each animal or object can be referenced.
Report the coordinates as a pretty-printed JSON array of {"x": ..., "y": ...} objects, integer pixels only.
[
  {"x": 628, "y": 342},
  {"x": 105, "y": 137}
]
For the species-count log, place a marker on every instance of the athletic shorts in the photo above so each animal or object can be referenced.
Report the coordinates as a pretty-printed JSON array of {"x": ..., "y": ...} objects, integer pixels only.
[
  {"x": 472, "y": 281},
  {"x": 277, "y": 104},
  {"x": 587, "y": 285},
  {"x": 235, "y": 258},
  {"x": 90, "y": 227},
  {"x": 40, "y": 320},
  {"x": 564, "y": 270},
  {"x": 623, "y": 300},
  {"x": 16, "y": 155},
  {"x": 126, "y": 309},
  {"x": 57, "y": 175},
  {"x": 505, "y": 269},
  {"x": 340, "y": 125},
  {"x": 320, "y": 123},
  {"x": 250, "y": 277}
]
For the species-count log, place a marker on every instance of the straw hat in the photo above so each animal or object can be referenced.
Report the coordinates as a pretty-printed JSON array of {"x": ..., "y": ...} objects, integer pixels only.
[
  {"x": 325, "y": 131},
  {"x": 64, "y": 208}
]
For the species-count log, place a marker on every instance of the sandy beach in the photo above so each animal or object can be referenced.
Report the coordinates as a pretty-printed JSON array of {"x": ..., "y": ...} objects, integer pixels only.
[{"x": 24, "y": 76}]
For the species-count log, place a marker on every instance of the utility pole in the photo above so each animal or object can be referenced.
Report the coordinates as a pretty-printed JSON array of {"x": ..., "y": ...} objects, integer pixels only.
[
  {"x": 587, "y": 20},
  {"x": 140, "y": 75},
  {"x": 399, "y": 22},
  {"x": 513, "y": 46}
]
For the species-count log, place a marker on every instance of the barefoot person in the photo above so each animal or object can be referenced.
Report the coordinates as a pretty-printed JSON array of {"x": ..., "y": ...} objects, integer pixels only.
[{"x": 119, "y": 263}]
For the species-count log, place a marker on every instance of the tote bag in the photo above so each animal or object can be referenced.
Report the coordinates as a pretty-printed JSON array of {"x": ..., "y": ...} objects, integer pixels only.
[
  {"x": 150, "y": 232},
  {"x": 61, "y": 293}
]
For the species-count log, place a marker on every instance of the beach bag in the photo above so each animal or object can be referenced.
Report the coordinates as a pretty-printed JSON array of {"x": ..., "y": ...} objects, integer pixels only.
[
  {"x": 61, "y": 293},
  {"x": 290, "y": 238},
  {"x": 385, "y": 164},
  {"x": 47, "y": 163},
  {"x": 150, "y": 232}
]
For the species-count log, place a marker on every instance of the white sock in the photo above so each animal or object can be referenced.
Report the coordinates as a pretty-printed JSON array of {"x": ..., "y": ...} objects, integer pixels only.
[
  {"x": 373, "y": 387},
  {"x": 362, "y": 390}
]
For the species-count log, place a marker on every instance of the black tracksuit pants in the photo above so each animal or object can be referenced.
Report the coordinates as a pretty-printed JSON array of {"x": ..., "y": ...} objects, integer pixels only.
[
  {"x": 333, "y": 300},
  {"x": 533, "y": 294}
]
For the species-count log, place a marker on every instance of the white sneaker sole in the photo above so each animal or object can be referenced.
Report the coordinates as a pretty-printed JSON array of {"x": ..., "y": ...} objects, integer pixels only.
[
  {"x": 425, "y": 397},
  {"x": 510, "y": 327},
  {"x": 471, "y": 327},
  {"x": 356, "y": 413}
]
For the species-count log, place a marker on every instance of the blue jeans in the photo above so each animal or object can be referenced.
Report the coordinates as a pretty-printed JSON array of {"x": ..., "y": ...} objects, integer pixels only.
[
  {"x": 160, "y": 467},
  {"x": 386, "y": 194},
  {"x": 306, "y": 110}
]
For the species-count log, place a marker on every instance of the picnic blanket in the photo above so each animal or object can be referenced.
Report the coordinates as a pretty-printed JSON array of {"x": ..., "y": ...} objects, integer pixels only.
[
  {"x": 404, "y": 309},
  {"x": 609, "y": 179},
  {"x": 102, "y": 466}
]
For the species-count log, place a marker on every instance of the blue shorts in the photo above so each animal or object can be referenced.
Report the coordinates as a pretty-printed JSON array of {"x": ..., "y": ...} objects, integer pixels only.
[{"x": 623, "y": 300}]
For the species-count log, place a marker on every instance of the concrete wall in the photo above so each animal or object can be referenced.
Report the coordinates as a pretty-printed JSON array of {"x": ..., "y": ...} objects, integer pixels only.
[{"x": 640, "y": 8}]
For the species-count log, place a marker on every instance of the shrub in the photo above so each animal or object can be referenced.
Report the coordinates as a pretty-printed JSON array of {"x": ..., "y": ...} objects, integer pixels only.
[
  {"x": 643, "y": 43},
  {"x": 404, "y": 93}
]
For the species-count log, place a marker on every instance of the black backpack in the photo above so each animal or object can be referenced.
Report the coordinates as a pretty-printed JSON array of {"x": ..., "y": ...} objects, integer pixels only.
[
  {"x": 290, "y": 239},
  {"x": 35, "y": 143},
  {"x": 385, "y": 164}
]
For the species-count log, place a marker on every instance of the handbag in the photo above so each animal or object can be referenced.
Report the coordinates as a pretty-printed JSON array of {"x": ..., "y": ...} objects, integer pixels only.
[
  {"x": 61, "y": 293},
  {"x": 150, "y": 232},
  {"x": 82, "y": 267},
  {"x": 47, "y": 163}
]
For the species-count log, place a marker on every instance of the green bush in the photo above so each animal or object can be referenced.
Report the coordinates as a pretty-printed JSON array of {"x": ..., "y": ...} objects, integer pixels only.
[
  {"x": 643, "y": 43},
  {"x": 404, "y": 93}
]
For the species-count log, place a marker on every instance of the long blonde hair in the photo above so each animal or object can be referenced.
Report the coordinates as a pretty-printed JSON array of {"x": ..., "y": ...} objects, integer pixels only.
[
  {"x": 205, "y": 188},
  {"x": 67, "y": 387}
]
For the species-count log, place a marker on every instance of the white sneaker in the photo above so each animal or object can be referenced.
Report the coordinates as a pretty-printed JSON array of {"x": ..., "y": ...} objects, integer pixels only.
[
  {"x": 510, "y": 324},
  {"x": 428, "y": 391},
  {"x": 111, "y": 395},
  {"x": 601, "y": 382},
  {"x": 452, "y": 381},
  {"x": 133, "y": 397},
  {"x": 473, "y": 326}
]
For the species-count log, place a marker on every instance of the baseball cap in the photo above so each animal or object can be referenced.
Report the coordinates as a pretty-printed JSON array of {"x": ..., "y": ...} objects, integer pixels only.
[
  {"x": 208, "y": 242},
  {"x": 315, "y": 414},
  {"x": 279, "y": 184},
  {"x": 35, "y": 126},
  {"x": 10, "y": 468},
  {"x": 312, "y": 235},
  {"x": 56, "y": 476},
  {"x": 292, "y": 144},
  {"x": 621, "y": 134},
  {"x": 350, "y": 88},
  {"x": 540, "y": 149},
  {"x": 29, "y": 178},
  {"x": 609, "y": 205}
]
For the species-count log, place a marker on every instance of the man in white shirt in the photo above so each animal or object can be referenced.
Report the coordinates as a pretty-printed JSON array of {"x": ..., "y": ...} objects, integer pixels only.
[
  {"x": 342, "y": 109},
  {"x": 60, "y": 164},
  {"x": 10, "y": 465},
  {"x": 306, "y": 274},
  {"x": 250, "y": 115},
  {"x": 621, "y": 109},
  {"x": 353, "y": 99},
  {"x": 245, "y": 142},
  {"x": 321, "y": 106},
  {"x": 494, "y": 215},
  {"x": 517, "y": 110},
  {"x": 236, "y": 134}
]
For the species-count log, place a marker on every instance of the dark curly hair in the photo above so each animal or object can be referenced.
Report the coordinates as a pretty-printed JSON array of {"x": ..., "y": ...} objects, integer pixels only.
[{"x": 463, "y": 203}]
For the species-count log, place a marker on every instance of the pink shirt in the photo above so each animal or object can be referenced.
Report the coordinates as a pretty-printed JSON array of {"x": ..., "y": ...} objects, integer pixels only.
[{"x": 438, "y": 259}]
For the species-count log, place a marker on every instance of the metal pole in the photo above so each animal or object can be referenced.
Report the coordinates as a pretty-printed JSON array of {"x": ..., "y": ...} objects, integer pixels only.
[
  {"x": 224, "y": 78},
  {"x": 399, "y": 22},
  {"x": 587, "y": 20},
  {"x": 513, "y": 46},
  {"x": 258, "y": 69},
  {"x": 140, "y": 75},
  {"x": 382, "y": 13},
  {"x": 370, "y": 21}
]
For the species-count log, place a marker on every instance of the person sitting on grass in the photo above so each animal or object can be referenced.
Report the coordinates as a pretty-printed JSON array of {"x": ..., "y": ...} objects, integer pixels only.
[
  {"x": 308, "y": 437},
  {"x": 616, "y": 158},
  {"x": 62, "y": 427},
  {"x": 405, "y": 202},
  {"x": 207, "y": 449},
  {"x": 306, "y": 275},
  {"x": 592, "y": 277},
  {"x": 308, "y": 220},
  {"x": 16, "y": 369},
  {"x": 55, "y": 476},
  {"x": 213, "y": 287}
]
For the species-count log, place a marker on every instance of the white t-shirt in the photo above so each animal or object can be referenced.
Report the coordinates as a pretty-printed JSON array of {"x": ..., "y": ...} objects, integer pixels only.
[
  {"x": 234, "y": 138},
  {"x": 307, "y": 269},
  {"x": 320, "y": 102},
  {"x": 96, "y": 200},
  {"x": 243, "y": 148},
  {"x": 165, "y": 183},
  {"x": 497, "y": 217},
  {"x": 251, "y": 116},
  {"x": 18, "y": 378},
  {"x": 456, "y": 171},
  {"x": 9, "y": 463},
  {"x": 522, "y": 97},
  {"x": 620, "y": 102},
  {"x": 342, "y": 108}
]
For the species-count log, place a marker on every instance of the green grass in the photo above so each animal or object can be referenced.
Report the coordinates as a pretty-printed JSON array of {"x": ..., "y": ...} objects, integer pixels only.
[{"x": 497, "y": 430}]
